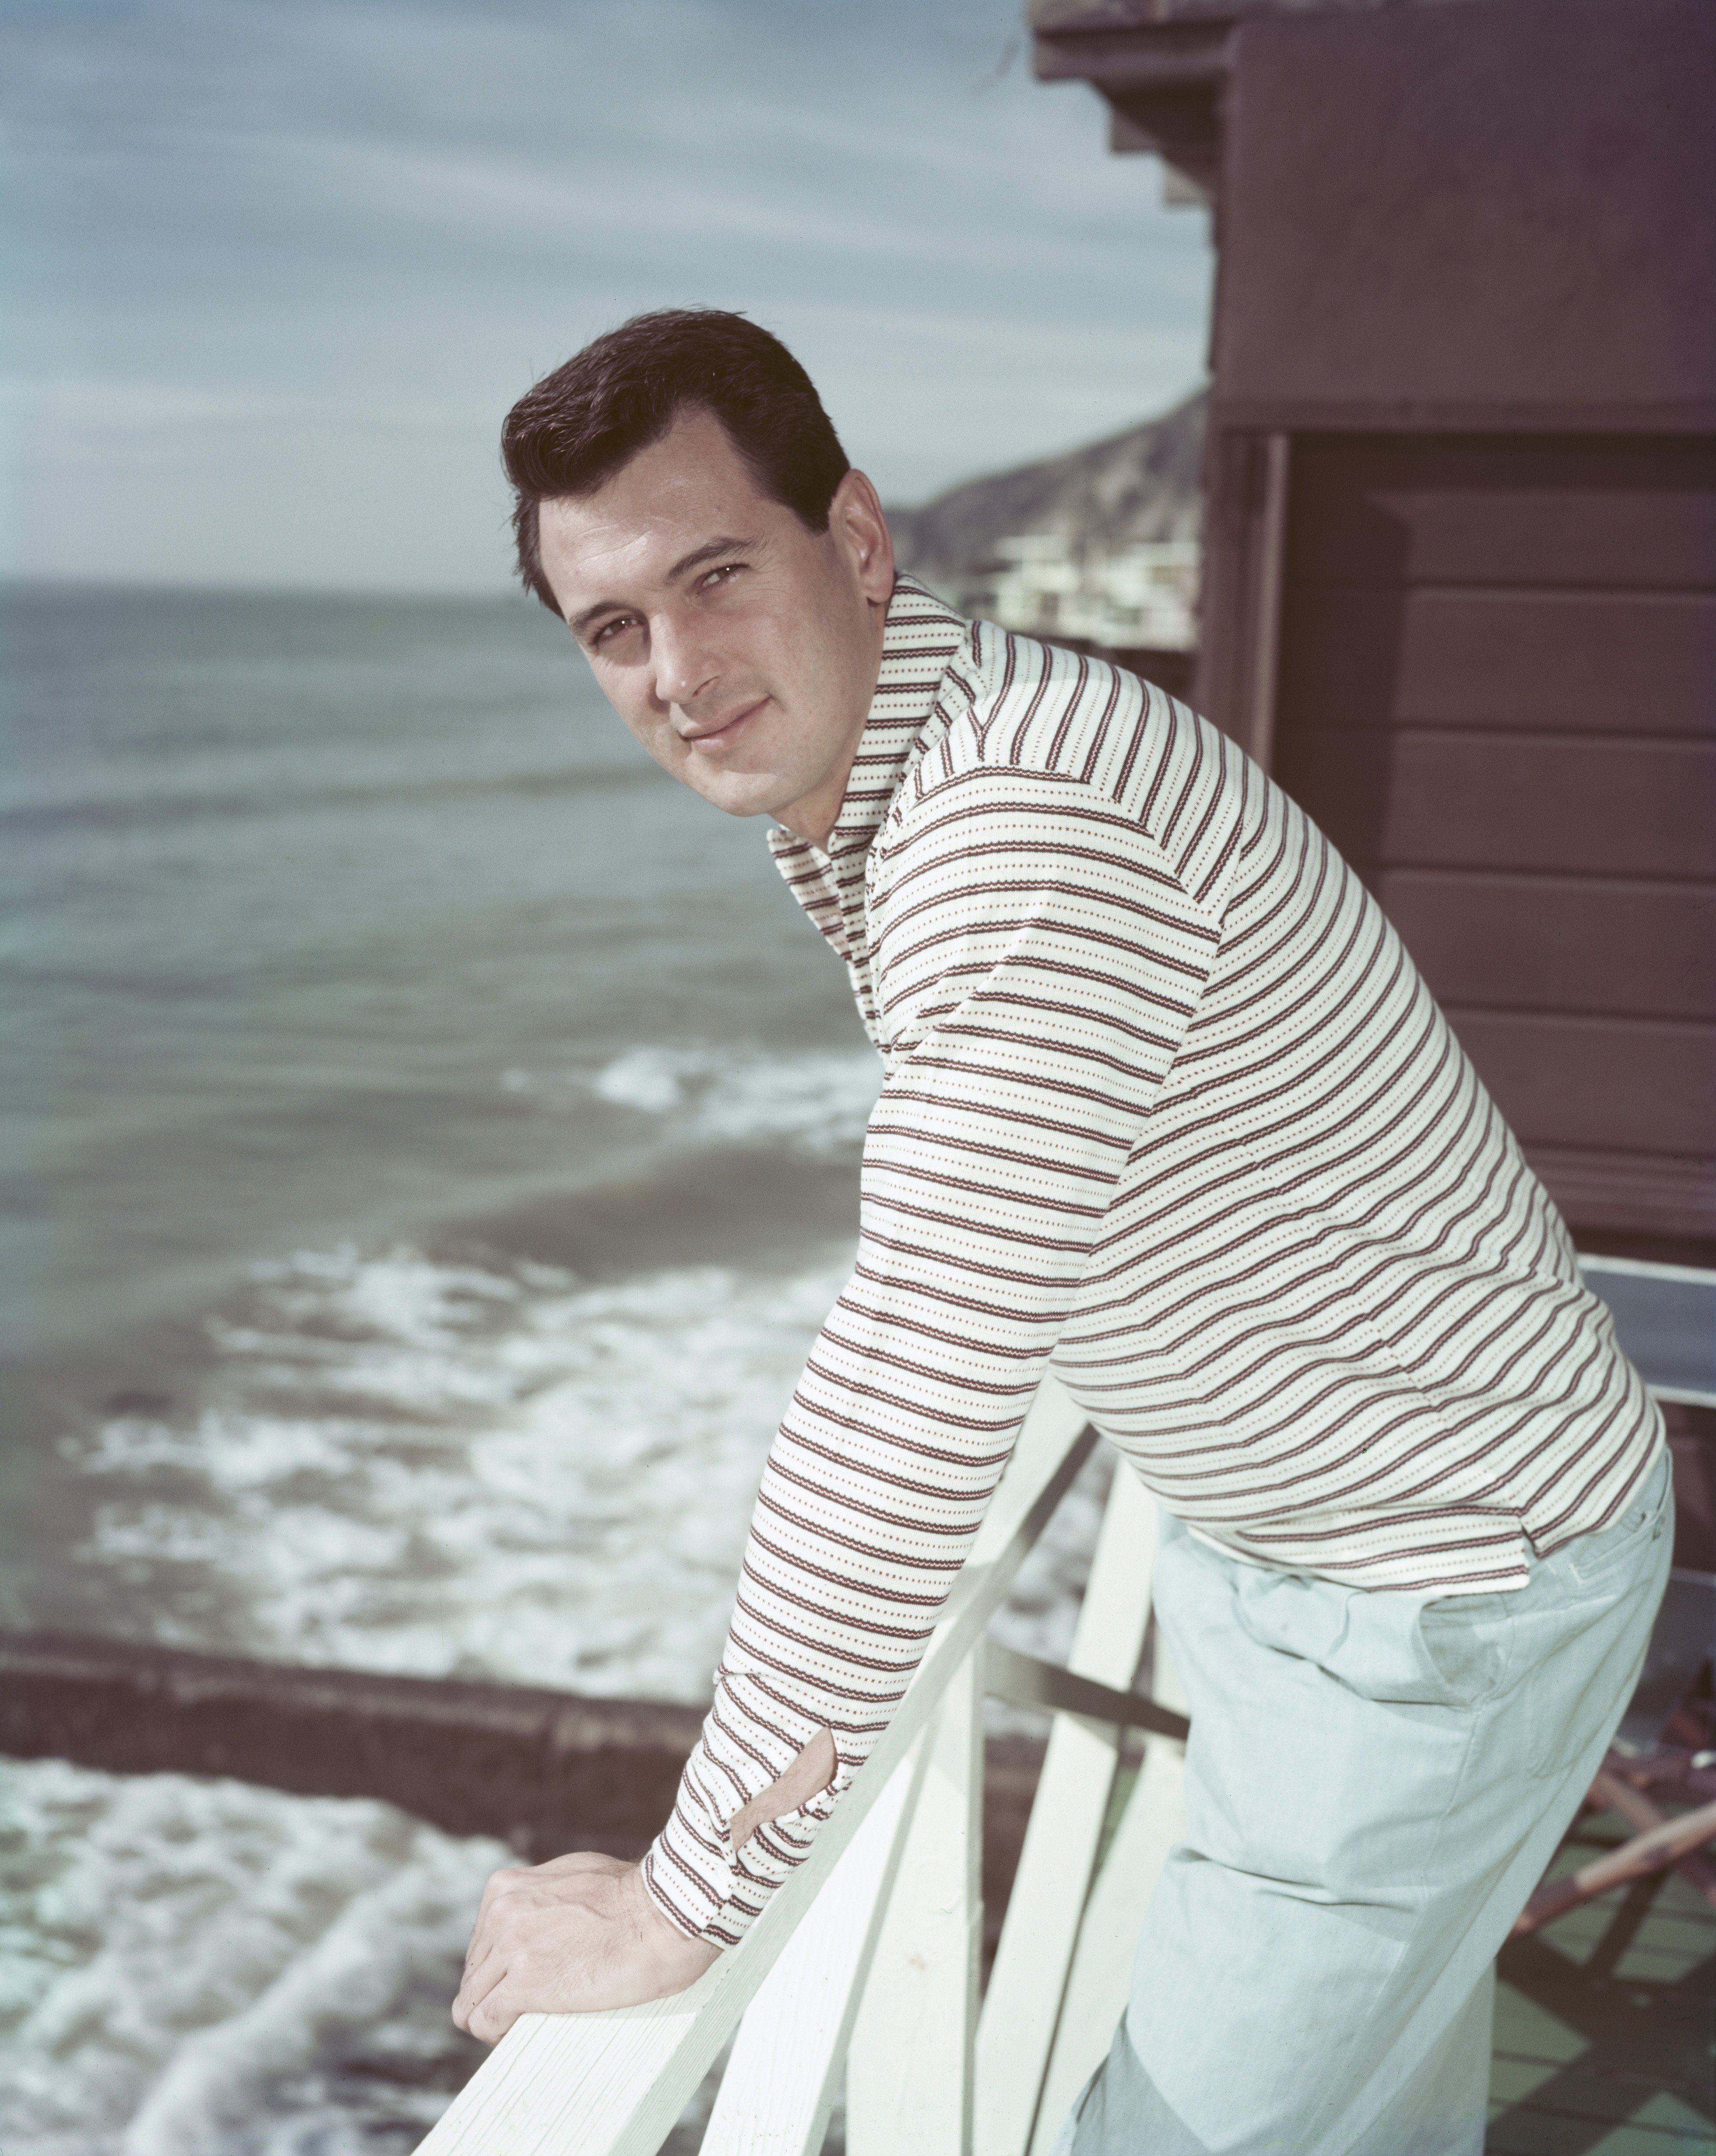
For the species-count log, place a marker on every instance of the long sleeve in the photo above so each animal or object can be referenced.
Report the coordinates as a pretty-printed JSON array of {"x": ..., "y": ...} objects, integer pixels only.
[{"x": 1035, "y": 962}]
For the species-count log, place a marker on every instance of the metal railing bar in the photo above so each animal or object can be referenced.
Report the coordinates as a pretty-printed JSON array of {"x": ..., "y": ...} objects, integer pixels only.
[{"x": 1025, "y": 1681}]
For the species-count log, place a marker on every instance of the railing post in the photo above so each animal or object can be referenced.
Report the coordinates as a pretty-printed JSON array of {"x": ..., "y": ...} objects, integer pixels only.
[
  {"x": 1027, "y": 1982},
  {"x": 1100, "y": 1979},
  {"x": 909, "y": 2068},
  {"x": 784, "y": 2073}
]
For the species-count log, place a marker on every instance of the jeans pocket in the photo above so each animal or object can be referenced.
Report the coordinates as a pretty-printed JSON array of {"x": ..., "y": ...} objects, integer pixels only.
[
  {"x": 1585, "y": 1638},
  {"x": 1468, "y": 1640},
  {"x": 1648, "y": 1515}
]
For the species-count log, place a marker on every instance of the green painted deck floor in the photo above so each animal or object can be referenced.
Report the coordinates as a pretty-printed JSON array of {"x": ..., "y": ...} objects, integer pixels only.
[{"x": 1605, "y": 2022}]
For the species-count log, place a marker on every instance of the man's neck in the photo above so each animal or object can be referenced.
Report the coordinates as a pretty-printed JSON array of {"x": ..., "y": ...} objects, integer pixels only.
[{"x": 814, "y": 816}]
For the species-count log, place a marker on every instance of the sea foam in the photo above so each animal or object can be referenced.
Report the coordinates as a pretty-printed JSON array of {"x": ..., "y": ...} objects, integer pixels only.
[
  {"x": 408, "y": 1465},
  {"x": 815, "y": 1102},
  {"x": 443, "y": 1468},
  {"x": 203, "y": 1968}
]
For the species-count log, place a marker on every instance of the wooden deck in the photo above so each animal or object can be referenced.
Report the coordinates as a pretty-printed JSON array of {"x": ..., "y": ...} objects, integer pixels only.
[{"x": 1605, "y": 2022}]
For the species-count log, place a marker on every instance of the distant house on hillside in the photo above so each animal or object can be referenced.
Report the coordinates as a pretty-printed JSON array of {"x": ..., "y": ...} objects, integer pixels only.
[{"x": 1141, "y": 596}]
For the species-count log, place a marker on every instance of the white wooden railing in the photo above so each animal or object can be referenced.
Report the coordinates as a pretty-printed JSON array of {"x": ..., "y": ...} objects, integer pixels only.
[{"x": 864, "y": 1967}]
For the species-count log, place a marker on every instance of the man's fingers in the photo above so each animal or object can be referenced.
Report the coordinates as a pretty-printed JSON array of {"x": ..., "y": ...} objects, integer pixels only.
[
  {"x": 492, "y": 2016},
  {"x": 481, "y": 1976},
  {"x": 481, "y": 1944},
  {"x": 499, "y": 1992},
  {"x": 499, "y": 1888},
  {"x": 543, "y": 1885},
  {"x": 495, "y": 1887},
  {"x": 569, "y": 1938}
]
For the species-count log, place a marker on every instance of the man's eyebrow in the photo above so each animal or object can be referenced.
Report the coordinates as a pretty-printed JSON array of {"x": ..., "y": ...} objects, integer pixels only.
[
  {"x": 708, "y": 551},
  {"x": 580, "y": 622}
]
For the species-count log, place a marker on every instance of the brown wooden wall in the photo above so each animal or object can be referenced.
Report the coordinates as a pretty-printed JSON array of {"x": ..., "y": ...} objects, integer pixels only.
[{"x": 1496, "y": 690}]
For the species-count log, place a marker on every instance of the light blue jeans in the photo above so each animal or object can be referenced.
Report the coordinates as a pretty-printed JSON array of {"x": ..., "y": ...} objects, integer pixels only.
[{"x": 1375, "y": 1783}]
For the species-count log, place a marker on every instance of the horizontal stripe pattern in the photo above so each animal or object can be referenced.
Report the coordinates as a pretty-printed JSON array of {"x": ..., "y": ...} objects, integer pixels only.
[{"x": 1165, "y": 1102}]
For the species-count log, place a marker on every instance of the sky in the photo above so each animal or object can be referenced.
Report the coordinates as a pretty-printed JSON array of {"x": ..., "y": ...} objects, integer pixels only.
[{"x": 274, "y": 270}]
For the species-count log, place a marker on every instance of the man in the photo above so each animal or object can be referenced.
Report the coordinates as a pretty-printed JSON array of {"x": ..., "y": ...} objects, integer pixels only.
[{"x": 1166, "y": 1101}]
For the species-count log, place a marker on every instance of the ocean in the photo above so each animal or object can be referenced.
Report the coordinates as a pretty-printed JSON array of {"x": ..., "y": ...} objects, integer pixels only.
[{"x": 428, "y": 1146}]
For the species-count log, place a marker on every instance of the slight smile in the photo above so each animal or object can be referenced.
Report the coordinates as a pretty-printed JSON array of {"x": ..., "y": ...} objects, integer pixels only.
[{"x": 724, "y": 735}]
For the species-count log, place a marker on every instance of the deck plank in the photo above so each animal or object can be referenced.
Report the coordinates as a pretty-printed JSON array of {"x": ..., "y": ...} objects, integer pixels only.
[{"x": 1605, "y": 2022}]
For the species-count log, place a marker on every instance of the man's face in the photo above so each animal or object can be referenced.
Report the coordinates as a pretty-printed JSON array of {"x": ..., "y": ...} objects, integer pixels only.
[{"x": 742, "y": 649}]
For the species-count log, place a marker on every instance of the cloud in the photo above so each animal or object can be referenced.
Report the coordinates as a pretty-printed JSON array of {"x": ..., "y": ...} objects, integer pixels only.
[{"x": 301, "y": 244}]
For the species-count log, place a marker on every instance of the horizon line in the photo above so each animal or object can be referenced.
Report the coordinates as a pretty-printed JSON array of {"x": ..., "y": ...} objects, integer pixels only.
[{"x": 34, "y": 580}]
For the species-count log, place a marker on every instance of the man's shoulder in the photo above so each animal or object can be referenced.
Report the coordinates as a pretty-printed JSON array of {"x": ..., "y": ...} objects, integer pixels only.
[
  {"x": 1017, "y": 706},
  {"x": 1040, "y": 732}
]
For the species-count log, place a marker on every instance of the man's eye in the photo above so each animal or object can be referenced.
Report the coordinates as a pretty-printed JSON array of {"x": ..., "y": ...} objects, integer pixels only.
[
  {"x": 725, "y": 574},
  {"x": 611, "y": 628}
]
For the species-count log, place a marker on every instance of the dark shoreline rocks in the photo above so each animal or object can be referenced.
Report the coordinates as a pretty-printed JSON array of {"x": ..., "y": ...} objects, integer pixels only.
[{"x": 544, "y": 1771}]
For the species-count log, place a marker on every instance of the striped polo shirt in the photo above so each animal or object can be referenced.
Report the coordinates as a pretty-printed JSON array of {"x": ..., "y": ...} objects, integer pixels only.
[{"x": 1167, "y": 1102}]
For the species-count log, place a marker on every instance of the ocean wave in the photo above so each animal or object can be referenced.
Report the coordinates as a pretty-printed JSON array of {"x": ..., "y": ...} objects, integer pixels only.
[
  {"x": 817, "y": 1101},
  {"x": 203, "y": 1969},
  {"x": 437, "y": 1468},
  {"x": 405, "y": 1463}
]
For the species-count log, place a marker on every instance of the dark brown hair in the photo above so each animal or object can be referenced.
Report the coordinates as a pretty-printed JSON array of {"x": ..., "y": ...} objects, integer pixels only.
[{"x": 577, "y": 428}]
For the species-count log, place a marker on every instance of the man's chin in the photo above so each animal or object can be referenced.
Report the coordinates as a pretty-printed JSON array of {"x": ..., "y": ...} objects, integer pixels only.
[{"x": 743, "y": 793}]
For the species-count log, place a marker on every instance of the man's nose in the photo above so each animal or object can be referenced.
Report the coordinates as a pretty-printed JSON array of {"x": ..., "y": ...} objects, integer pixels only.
[{"x": 685, "y": 664}]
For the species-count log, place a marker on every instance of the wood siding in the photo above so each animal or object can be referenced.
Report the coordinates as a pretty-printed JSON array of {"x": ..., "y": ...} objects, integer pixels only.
[
  {"x": 1432, "y": 210},
  {"x": 1497, "y": 692}
]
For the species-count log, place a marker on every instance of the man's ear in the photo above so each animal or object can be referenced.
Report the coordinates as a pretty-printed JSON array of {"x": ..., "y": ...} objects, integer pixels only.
[{"x": 856, "y": 520}]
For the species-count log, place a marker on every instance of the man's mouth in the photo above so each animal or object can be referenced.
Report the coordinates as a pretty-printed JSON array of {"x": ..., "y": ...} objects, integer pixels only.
[{"x": 711, "y": 740}]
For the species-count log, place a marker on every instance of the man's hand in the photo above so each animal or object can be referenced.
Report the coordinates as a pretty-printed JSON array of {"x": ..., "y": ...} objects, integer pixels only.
[
  {"x": 579, "y": 1933},
  {"x": 570, "y": 1936}
]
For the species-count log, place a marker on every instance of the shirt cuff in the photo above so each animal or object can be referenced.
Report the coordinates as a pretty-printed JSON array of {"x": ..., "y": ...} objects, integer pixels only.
[{"x": 692, "y": 1872}]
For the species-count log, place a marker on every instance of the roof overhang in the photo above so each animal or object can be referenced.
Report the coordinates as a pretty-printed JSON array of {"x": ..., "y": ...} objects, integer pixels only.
[{"x": 1162, "y": 66}]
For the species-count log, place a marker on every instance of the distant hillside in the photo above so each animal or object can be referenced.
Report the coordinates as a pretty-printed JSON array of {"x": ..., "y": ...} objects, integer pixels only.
[{"x": 1144, "y": 484}]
